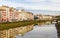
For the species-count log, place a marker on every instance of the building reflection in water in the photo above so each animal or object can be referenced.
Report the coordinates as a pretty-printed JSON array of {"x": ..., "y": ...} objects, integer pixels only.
[
  {"x": 11, "y": 33},
  {"x": 41, "y": 30},
  {"x": 58, "y": 30},
  {"x": 43, "y": 23}
]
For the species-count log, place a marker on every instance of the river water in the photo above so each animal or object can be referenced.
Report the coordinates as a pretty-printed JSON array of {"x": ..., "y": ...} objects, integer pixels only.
[{"x": 40, "y": 30}]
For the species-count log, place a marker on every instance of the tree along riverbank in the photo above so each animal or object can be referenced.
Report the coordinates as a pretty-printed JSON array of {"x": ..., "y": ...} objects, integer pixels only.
[{"x": 7, "y": 25}]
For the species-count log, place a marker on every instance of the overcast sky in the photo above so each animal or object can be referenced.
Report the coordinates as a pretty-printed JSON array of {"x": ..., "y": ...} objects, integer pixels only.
[{"x": 52, "y": 5}]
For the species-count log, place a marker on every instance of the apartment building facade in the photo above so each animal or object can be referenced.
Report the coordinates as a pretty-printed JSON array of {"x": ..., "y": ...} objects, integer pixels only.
[
  {"x": 44, "y": 17},
  {"x": 7, "y": 14},
  {"x": 24, "y": 15},
  {"x": 10, "y": 14}
]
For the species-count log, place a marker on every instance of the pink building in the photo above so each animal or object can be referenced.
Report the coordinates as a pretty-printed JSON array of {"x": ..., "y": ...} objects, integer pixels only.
[{"x": 8, "y": 14}]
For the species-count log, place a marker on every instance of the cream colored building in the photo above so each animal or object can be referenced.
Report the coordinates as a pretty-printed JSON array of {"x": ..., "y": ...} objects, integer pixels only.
[
  {"x": 44, "y": 17},
  {"x": 30, "y": 16},
  {"x": 24, "y": 15}
]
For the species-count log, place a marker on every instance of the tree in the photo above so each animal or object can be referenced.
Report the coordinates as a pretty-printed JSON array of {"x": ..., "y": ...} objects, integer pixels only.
[{"x": 58, "y": 17}]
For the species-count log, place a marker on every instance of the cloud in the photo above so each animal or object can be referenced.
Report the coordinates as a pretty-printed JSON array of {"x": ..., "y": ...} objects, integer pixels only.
[
  {"x": 34, "y": 0},
  {"x": 55, "y": 1},
  {"x": 34, "y": 4},
  {"x": 11, "y": 3},
  {"x": 42, "y": 7},
  {"x": 52, "y": 5}
]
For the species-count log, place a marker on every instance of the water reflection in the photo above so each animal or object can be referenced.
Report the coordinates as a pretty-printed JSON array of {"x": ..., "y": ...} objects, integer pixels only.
[
  {"x": 58, "y": 29},
  {"x": 41, "y": 31},
  {"x": 43, "y": 23},
  {"x": 13, "y": 32}
]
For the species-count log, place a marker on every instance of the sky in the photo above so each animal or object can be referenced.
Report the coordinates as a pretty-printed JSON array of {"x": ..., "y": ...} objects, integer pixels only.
[{"x": 35, "y": 5}]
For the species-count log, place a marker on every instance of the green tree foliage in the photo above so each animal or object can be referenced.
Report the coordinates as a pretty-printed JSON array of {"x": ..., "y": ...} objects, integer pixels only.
[{"x": 58, "y": 16}]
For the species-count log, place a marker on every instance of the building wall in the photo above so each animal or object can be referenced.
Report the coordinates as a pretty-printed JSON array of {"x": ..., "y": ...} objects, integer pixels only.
[
  {"x": 4, "y": 14},
  {"x": 24, "y": 15},
  {"x": 30, "y": 16},
  {"x": 44, "y": 17},
  {"x": 8, "y": 14}
]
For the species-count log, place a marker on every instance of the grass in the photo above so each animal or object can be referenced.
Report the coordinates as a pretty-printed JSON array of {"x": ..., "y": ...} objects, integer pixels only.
[{"x": 8, "y": 25}]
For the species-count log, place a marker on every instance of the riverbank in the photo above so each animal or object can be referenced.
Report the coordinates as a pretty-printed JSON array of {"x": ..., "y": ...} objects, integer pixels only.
[
  {"x": 58, "y": 24},
  {"x": 8, "y": 25},
  {"x": 58, "y": 29}
]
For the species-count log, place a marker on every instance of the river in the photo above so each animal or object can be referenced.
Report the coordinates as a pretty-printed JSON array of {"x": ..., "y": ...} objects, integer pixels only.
[{"x": 40, "y": 30}]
